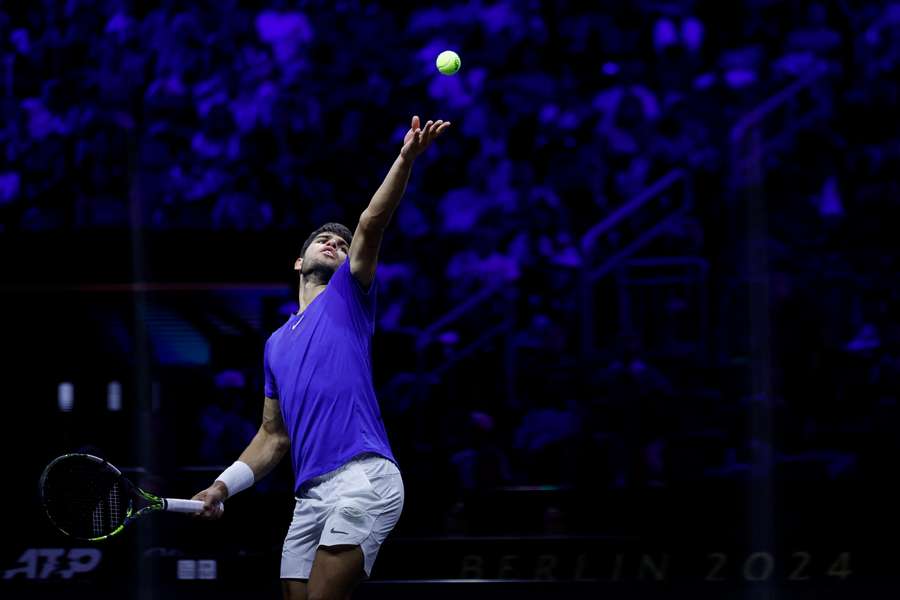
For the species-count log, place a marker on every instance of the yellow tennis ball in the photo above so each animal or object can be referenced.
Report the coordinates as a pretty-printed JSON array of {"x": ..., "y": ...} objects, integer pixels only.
[{"x": 448, "y": 62}]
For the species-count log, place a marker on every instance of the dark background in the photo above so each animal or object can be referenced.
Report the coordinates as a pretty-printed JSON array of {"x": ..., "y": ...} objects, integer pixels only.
[{"x": 637, "y": 313}]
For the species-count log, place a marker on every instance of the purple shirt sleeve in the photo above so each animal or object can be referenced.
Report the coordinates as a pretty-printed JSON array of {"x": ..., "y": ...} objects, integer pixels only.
[
  {"x": 271, "y": 388},
  {"x": 361, "y": 302}
]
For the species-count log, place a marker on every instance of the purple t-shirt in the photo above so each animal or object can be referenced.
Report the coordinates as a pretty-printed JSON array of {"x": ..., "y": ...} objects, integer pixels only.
[{"x": 318, "y": 366}]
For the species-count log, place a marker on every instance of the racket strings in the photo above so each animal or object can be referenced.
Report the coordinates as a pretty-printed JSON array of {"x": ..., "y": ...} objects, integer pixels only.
[
  {"x": 107, "y": 516},
  {"x": 98, "y": 520}
]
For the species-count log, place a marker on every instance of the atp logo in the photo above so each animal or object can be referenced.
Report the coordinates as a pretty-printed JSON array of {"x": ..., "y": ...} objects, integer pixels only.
[{"x": 44, "y": 563}]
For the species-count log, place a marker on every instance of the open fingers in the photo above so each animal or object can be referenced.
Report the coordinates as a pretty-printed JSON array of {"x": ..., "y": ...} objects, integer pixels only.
[
  {"x": 439, "y": 127},
  {"x": 423, "y": 134},
  {"x": 431, "y": 129}
]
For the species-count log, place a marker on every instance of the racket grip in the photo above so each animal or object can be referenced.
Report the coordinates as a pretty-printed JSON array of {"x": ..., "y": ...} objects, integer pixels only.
[{"x": 183, "y": 506}]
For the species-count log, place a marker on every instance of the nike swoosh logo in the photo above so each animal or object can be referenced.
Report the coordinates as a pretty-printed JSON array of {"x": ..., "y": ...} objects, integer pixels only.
[{"x": 333, "y": 530}]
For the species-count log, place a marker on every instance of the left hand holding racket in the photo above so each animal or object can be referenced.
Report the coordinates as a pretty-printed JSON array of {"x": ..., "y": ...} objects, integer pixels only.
[{"x": 213, "y": 499}]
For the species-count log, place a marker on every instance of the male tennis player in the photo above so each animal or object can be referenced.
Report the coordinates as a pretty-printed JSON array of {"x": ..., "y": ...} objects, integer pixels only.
[{"x": 320, "y": 404}]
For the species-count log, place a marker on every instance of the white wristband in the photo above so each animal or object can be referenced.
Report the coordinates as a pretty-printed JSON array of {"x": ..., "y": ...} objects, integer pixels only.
[{"x": 239, "y": 476}]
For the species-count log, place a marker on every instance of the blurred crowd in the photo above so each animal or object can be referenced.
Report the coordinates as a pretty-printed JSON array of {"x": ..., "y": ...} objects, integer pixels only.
[{"x": 278, "y": 116}]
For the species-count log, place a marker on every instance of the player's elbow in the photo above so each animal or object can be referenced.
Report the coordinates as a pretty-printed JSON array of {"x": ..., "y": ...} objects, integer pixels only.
[
  {"x": 275, "y": 436},
  {"x": 280, "y": 443}
]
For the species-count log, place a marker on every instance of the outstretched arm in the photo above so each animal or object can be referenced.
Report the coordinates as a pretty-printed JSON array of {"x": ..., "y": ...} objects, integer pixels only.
[{"x": 375, "y": 218}]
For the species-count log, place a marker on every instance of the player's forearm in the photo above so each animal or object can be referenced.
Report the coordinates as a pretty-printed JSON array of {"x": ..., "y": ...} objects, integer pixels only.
[
  {"x": 387, "y": 197},
  {"x": 265, "y": 451}
]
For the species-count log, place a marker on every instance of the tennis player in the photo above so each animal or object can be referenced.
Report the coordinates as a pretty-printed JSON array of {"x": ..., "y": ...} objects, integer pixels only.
[{"x": 320, "y": 404}]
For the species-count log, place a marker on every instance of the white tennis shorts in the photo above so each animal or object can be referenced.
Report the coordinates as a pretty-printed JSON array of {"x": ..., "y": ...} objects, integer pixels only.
[{"x": 357, "y": 504}]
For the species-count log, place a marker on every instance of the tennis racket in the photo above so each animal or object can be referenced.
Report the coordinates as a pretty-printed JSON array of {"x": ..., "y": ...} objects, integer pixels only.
[{"x": 87, "y": 498}]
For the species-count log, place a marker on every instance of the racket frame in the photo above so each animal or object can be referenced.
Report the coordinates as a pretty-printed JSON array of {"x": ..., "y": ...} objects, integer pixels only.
[{"x": 155, "y": 503}]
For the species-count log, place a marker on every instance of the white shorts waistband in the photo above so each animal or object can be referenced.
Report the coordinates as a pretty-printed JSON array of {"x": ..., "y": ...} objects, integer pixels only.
[{"x": 330, "y": 474}]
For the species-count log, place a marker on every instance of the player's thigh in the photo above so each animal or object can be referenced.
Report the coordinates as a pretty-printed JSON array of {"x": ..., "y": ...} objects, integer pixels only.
[
  {"x": 336, "y": 571},
  {"x": 293, "y": 589}
]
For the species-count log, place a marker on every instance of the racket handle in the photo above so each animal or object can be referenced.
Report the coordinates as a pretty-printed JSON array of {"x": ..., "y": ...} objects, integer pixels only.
[{"x": 183, "y": 506}]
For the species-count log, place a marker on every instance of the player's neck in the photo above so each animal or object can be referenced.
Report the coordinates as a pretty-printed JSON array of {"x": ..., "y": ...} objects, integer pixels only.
[{"x": 309, "y": 289}]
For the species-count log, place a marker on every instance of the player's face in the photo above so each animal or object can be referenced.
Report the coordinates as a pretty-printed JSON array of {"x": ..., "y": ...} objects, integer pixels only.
[
  {"x": 326, "y": 252},
  {"x": 330, "y": 246}
]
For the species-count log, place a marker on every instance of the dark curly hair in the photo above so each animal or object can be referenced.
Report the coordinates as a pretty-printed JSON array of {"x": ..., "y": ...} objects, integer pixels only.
[{"x": 337, "y": 228}]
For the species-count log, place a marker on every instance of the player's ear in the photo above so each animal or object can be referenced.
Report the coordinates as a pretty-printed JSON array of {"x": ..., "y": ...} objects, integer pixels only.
[{"x": 298, "y": 264}]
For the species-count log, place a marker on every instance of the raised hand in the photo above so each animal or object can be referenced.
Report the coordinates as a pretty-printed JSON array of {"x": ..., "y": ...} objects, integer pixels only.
[{"x": 418, "y": 138}]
